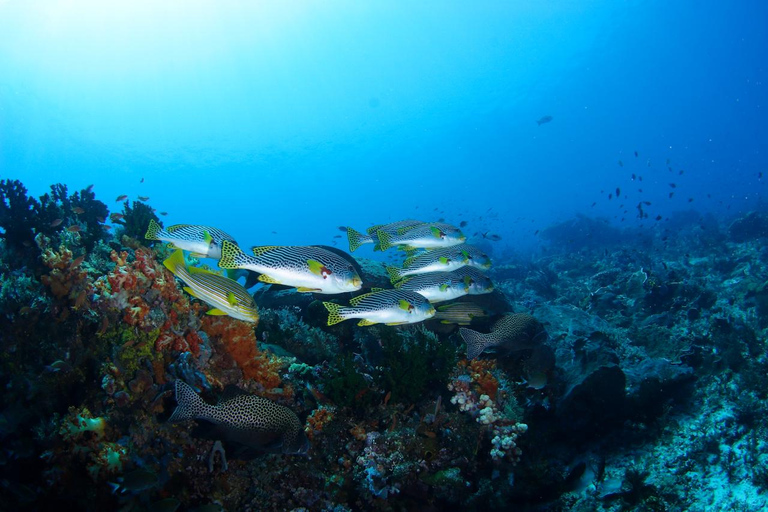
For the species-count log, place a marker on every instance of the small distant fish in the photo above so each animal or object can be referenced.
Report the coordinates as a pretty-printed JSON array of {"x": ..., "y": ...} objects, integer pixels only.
[
  {"x": 336, "y": 236},
  {"x": 658, "y": 217},
  {"x": 618, "y": 192},
  {"x": 143, "y": 198},
  {"x": 141, "y": 180},
  {"x": 518, "y": 331},
  {"x": 544, "y": 120},
  {"x": 462, "y": 224},
  {"x": 106, "y": 228},
  {"x": 621, "y": 164},
  {"x": 633, "y": 176},
  {"x": 610, "y": 196},
  {"x": 59, "y": 366},
  {"x": 647, "y": 203},
  {"x": 681, "y": 172},
  {"x": 640, "y": 178},
  {"x": 343, "y": 229},
  {"x": 671, "y": 194},
  {"x": 593, "y": 204},
  {"x": 690, "y": 199},
  {"x": 390, "y": 307},
  {"x": 636, "y": 155},
  {"x": 247, "y": 419},
  {"x": 491, "y": 236},
  {"x": 307, "y": 268},
  {"x": 77, "y": 210},
  {"x": 760, "y": 175},
  {"x": 673, "y": 185},
  {"x": 163, "y": 213},
  {"x": 74, "y": 229},
  {"x": 667, "y": 161},
  {"x": 122, "y": 197},
  {"x": 226, "y": 296},
  {"x": 203, "y": 241},
  {"x": 101, "y": 220},
  {"x": 116, "y": 216},
  {"x": 56, "y": 222}
]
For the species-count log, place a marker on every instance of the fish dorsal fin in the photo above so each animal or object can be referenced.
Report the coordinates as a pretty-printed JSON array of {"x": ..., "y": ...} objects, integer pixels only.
[
  {"x": 374, "y": 290},
  {"x": 400, "y": 284},
  {"x": 263, "y": 249},
  {"x": 356, "y": 300},
  {"x": 373, "y": 229},
  {"x": 264, "y": 278},
  {"x": 408, "y": 261},
  {"x": 199, "y": 270},
  {"x": 365, "y": 322},
  {"x": 176, "y": 227},
  {"x": 317, "y": 268},
  {"x": 231, "y": 391}
]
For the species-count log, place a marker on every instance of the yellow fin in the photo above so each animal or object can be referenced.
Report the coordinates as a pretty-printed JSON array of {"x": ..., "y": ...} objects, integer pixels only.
[
  {"x": 365, "y": 322},
  {"x": 316, "y": 267},
  {"x": 356, "y": 300},
  {"x": 231, "y": 299},
  {"x": 199, "y": 270},
  {"x": 334, "y": 313},
  {"x": 175, "y": 261},
  {"x": 304, "y": 289},
  {"x": 396, "y": 323},
  {"x": 190, "y": 291},
  {"x": 216, "y": 312},
  {"x": 153, "y": 230},
  {"x": 263, "y": 249},
  {"x": 207, "y": 237},
  {"x": 264, "y": 278}
]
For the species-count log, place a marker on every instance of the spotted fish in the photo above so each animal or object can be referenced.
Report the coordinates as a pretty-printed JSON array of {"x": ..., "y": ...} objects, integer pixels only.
[
  {"x": 201, "y": 241},
  {"x": 390, "y": 307},
  {"x": 226, "y": 296},
  {"x": 308, "y": 268},
  {"x": 461, "y": 313},
  {"x": 437, "y": 286},
  {"x": 425, "y": 236},
  {"x": 514, "y": 331},
  {"x": 438, "y": 260},
  {"x": 356, "y": 239},
  {"x": 246, "y": 419}
]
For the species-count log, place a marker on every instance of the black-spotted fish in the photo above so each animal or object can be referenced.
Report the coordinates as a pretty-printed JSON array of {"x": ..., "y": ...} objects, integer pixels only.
[
  {"x": 308, "y": 268},
  {"x": 438, "y": 260},
  {"x": 437, "y": 286},
  {"x": 479, "y": 283},
  {"x": 246, "y": 419},
  {"x": 477, "y": 258},
  {"x": 226, "y": 296},
  {"x": 513, "y": 331},
  {"x": 356, "y": 238},
  {"x": 461, "y": 313},
  {"x": 201, "y": 241},
  {"x": 390, "y": 307},
  {"x": 425, "y": 236}
]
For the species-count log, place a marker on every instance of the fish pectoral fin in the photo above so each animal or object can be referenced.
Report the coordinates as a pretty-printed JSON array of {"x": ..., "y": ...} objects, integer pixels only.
[
  {"x": 365, "y": 322},
  {"x": 191, "y": 292},
  {"x": 216, "y": 312},
  {"x": 264, "y": 278},
  {"x": 316, "y": 267},
  {"x": 232, "y": 299},
  {"x": 304, "y": 289}
]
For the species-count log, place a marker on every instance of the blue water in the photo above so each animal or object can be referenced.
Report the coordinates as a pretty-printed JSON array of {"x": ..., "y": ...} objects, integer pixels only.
[{"x": 298, "y": 117}]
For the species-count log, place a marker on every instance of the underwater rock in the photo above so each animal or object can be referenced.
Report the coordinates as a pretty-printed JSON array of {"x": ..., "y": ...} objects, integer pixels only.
[
  {"x": 595, "y": 405},
  {"x": 653, "y": 383},
  {"x": 751, "y": 226}
]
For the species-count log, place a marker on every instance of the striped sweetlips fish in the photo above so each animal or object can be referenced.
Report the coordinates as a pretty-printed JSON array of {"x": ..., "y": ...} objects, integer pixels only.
[
  {"x": 437, "y": 286},
  {"x": 461, "y": 313},
  {"x": 477, "y": 258},
  {"x": 226, "y": 296},
  {"x": 437, "y": 260},
  {"x": 479, "y": 283},
  {"x": 425, "y": 236},
  {"x": 201, "y": 241},
  {"x": 250, "y": 420},
  {"x": 390, "y": 307},
  {"x": 356, "y": 239},
  {"x": 307, "y": 268}
]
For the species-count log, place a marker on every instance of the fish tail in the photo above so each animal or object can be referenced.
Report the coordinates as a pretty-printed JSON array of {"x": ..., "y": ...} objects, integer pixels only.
[
  {"x": 175, "y": 261},
  {"x": 189, "y": 404},
  {"x": 153, "y": 230},
  {"x": 385, "y": 240},
  {"x": 356, "y": 239},
  {"x": 231, "y": 255},
  {"x": 394, "y": 274},
  {"x": 476, "y": 341},
  {"x": 334, "y": 313}
]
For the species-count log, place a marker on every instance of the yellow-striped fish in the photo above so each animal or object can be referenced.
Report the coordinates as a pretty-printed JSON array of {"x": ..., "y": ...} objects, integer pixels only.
[
  {"x": 226, "y": 296},
  {"x": 201, "y": 241}
]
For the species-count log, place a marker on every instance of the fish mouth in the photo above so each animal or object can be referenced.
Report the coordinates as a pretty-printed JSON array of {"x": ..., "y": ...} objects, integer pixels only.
[{"x": 357, "y": 282}]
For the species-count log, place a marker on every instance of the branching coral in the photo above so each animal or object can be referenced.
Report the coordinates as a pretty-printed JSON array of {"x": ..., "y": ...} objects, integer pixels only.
[{"x": 135, "y": 220}]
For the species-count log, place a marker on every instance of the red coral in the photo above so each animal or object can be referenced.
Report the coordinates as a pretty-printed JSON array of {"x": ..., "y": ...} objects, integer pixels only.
[{"x": 239, "y": 341}]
